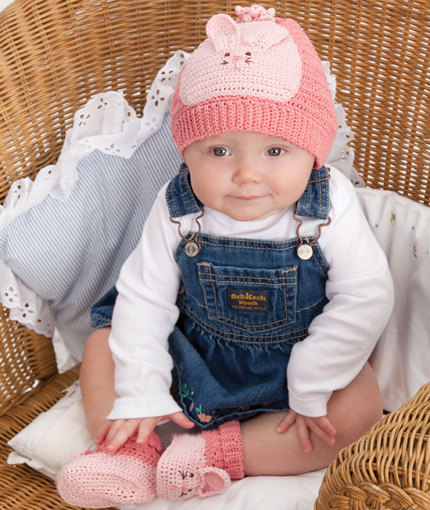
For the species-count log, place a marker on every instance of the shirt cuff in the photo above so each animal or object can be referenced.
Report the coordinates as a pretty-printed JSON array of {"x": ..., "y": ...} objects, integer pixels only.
[
  {"x": 128, "y": 407},
  {"x": 313, "y": 406}
]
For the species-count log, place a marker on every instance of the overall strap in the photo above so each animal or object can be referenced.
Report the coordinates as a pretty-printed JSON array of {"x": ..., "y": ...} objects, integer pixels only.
[
  {"x": 315, "y": 201},
  {"x": 179, "y": 195}
]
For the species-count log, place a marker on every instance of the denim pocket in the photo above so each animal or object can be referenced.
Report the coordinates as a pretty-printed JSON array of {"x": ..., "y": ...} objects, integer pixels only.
[{"x": 249, "y": 299}]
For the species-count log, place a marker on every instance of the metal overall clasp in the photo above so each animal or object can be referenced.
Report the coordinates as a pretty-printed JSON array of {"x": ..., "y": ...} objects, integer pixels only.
[
  {"x": 305, "y": 249},
  {"x": 192, "y": 244}
]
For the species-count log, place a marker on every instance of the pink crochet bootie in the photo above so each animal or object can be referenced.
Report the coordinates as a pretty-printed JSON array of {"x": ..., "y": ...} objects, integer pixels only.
[
  {"x": 201, "y": 464},
  {"x": 99, "y": 480}
]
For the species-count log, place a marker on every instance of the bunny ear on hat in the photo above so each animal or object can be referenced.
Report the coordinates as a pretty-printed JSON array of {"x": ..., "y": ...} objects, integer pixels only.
[{"x": 223, "y": 32}]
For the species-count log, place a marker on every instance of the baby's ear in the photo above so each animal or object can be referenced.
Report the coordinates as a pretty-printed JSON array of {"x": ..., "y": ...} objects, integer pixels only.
[
  {"x": 223, "y": 32},
  {"x": 213, "y": 481}
]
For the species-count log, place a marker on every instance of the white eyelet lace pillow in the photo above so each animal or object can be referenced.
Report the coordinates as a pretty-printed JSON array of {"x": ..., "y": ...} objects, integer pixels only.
[{"x": 64, "y": 237}]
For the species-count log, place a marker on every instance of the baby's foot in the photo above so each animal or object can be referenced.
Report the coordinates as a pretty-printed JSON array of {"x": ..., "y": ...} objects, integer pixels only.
[
  {"x": 182, "y": 471},
  {"x": 98, "y": 479}
]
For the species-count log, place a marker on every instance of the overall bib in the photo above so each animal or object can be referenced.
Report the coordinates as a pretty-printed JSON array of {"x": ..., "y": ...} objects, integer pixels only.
[{"x": 243, "y": 305}]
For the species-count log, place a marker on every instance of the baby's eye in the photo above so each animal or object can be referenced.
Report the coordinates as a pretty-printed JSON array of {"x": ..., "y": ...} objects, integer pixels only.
[
  {"x": 220, "y": 151},
  {"x": 275, "y": 151}
]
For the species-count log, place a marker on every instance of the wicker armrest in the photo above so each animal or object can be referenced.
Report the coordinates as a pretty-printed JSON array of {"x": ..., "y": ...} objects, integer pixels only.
[{"x": 386, "y": 469}]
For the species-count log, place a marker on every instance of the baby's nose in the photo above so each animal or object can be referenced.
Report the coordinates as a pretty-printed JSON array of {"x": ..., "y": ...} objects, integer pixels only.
[{"x": 246, "y": 173}]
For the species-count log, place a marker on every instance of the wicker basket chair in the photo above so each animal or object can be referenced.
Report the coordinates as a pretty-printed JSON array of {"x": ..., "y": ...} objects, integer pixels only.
[{"x": 55, "y": 54}]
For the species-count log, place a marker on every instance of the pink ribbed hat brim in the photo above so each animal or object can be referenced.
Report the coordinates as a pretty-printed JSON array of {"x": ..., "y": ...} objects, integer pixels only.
[{"x": 288, "y": 121}]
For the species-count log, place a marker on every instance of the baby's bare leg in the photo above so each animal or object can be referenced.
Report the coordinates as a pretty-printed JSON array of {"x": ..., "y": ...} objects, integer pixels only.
[
  {"x": 352, "y": 411},
  {"x": 97, "y": 379}
]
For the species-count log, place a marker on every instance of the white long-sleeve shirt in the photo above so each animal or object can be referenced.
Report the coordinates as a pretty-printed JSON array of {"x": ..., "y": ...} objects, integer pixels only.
[{"x": 359, "y": 290}]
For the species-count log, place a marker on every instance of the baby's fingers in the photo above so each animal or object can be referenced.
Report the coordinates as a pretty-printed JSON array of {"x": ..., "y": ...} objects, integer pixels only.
[
  {"x": 303, "y": 434},
  {"x": 103, "y": 431},
  {"x": 286, "y": 422},
  {"x": 323, "y": 430},
  {"x": 326, "y": 425},
  {"x": 119, "y": 432},
  {"x": 180, "y": 419},
  {"x": 146, "y": 426}
]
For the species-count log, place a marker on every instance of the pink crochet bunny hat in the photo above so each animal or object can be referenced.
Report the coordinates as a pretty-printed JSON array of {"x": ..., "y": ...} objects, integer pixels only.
[{"x": 257, "y": 74}]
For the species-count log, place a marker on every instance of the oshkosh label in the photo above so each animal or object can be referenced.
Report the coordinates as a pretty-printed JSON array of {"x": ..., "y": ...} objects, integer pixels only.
[{"x": 248, "y": 300}]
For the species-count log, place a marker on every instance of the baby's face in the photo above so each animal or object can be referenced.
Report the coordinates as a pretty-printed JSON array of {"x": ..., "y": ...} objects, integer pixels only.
[{"x": 248, "y": 176}]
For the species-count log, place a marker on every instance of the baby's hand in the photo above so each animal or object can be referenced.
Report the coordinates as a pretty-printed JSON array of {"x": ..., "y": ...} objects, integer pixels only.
[
  {"x": 320, "y": 426},
  {"x": 116, "y": 432}
]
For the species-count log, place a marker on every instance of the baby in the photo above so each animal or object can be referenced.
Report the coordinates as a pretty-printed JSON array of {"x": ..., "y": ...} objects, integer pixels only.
[{"x": 255, "y": 296}]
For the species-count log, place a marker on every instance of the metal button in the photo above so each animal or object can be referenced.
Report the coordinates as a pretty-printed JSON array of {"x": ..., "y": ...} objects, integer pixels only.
[
  {"x": 192, "y": 249},
  {"x": 305, "y": 251}
]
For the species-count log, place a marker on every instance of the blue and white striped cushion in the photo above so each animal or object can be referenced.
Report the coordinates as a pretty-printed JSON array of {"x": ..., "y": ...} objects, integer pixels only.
[{"x": 70, "y": 253}]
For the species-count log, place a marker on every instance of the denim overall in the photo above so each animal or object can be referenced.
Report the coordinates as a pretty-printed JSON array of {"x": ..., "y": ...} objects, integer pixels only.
[{"x": 243, "y": 305}]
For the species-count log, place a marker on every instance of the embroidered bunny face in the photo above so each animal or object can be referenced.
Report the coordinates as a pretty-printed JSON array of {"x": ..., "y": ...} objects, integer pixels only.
[
  {"x": 183, "y": 472},
  {"x": 242, "y": 59}
]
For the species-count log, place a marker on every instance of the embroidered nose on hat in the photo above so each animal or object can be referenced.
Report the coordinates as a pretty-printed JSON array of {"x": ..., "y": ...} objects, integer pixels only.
[{"x": 259, "y": 74}]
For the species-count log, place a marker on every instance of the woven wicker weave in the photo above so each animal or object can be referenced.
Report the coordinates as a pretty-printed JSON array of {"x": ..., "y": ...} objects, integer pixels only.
[
  {"x": 388, "y": 468},
  {"x": 55, "y": 54}
]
